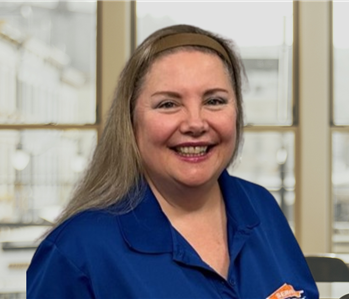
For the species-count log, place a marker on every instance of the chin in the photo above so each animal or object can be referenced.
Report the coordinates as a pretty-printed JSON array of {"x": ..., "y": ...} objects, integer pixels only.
[{"x": 193, "y": 181}]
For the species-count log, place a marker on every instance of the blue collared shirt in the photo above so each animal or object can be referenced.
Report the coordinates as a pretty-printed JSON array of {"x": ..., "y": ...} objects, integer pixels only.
[{"x": 100, "y": 254}]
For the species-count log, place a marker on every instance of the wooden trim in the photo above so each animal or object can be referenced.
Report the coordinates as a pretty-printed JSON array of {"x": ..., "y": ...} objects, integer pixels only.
[
  {"x": 313, "y": 142},
  {"x": 270, "y": 128}
]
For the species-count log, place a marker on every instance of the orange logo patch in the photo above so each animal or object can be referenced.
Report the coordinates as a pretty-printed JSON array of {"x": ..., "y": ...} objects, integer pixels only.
[{"x": 286, "y": 291}]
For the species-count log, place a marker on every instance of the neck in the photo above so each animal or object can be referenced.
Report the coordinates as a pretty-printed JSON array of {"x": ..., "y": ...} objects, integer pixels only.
[
  {"x": 199, "y": 215},
  {"x": 188, "y": 200}
]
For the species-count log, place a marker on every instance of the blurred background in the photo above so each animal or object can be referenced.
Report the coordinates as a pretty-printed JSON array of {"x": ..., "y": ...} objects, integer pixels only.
[{"x": 59, "y": 62}]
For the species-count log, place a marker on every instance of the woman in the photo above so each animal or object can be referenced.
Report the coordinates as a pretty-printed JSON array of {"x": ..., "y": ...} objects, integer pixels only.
[{"x": 156, "y": 214}]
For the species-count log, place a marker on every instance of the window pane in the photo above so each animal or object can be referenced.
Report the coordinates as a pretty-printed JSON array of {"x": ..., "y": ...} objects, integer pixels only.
[
  {"x": 340, "y": 189},
  {"x": 47, "y": 62},
  {"x": 268, "y": 159},
  {"x": 263, "y": 33},
  {"x": 38, "y": 169},
  {"x": 341, "y": 62}
]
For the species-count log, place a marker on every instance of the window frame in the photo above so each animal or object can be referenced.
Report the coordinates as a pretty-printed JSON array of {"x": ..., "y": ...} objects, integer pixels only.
[
  {"x": 334, "y": 128},
  {"x": 115, "y": 15}
]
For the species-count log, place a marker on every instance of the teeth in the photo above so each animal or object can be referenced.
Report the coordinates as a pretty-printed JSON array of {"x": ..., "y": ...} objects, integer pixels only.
[{"x": 192, "y": 150}]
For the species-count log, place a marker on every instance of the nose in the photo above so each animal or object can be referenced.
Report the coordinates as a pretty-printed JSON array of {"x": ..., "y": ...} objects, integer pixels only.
[{"x": 194, "y": 123}]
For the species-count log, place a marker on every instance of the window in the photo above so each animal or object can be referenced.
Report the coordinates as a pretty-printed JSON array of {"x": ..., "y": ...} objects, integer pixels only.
[
  {"x": 340, "y": 128},
  {"x": 48, "y": 122},
  {"x": 47, "y": 79},
  {"x": 47, "y": 66}
]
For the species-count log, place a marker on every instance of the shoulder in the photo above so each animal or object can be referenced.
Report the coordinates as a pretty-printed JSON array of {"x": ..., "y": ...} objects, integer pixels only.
[
  {"x": 254, "y": 195},
  {"x": 64, "y": 262},
  {"x": 246, "y": 188},
  {"x": 85, "y": 234},
  {"x": 248, "y": 185},
  {"x": 92, "y": 223}
]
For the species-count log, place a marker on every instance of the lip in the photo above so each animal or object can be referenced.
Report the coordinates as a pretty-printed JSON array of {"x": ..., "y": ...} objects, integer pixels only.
[
  {"x": 187, "y": 144},
  {"x": 194, "y": 158},
  {"x": 209, "y": 145}
]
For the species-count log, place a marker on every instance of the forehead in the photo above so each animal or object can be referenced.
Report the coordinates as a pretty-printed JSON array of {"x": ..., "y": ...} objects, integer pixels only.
[
  {"x": 176, "y": 53},
  {"x": 186, "y": 61}
]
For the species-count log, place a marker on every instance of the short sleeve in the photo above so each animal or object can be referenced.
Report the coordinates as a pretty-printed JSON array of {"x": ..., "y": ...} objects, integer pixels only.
[{"x": 53, "y": 275}]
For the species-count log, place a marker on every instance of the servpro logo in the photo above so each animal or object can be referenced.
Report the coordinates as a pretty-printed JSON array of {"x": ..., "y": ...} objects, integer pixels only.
[{"x": 286, "y": 291}]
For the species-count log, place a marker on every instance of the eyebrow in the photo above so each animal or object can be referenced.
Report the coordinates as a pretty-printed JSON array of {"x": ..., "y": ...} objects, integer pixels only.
[
  {"x": 167, "y": 93},
  {"x": 174, "y": 94},
  {"x": 214, "y": 90}
]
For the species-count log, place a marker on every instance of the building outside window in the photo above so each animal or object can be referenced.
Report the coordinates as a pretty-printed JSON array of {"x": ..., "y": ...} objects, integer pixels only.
[
  {"x": 47, "y": 120},
  {"x": 340, "y": 128}
]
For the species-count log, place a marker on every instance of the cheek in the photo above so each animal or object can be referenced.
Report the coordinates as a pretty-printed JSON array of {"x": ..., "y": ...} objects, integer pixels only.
[
  {"x": 227, "y": 127},
  {"x": 151, "y": 131}
]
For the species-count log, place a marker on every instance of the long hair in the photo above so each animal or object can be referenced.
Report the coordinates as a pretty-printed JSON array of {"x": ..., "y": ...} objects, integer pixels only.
[{"x": 115, "y": 170}]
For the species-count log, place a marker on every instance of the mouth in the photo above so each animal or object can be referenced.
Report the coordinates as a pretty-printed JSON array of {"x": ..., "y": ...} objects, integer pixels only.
[{"x": 192, "y": 151}]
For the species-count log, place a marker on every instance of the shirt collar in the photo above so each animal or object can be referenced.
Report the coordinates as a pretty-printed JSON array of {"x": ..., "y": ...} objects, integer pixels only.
[
  {"x": 147, "y": 229},
  {"x": 240, "y": 212}
]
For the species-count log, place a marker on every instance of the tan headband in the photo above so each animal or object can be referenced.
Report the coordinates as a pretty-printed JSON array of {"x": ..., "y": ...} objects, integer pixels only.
[{"x": 190, "y": 39}]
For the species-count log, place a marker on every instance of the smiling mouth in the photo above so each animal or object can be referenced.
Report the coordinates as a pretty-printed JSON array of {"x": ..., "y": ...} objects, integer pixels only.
[{"x": 191, "y": 151}]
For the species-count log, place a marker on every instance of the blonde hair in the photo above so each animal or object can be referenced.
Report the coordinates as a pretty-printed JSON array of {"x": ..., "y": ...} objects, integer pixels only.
[{"x": 115, "y": 172}]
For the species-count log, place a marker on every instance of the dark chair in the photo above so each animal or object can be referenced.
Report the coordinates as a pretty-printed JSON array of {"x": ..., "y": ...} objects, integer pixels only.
[
  {"x": 328, "y": 269},
  {"x": 345, "y": 297}
]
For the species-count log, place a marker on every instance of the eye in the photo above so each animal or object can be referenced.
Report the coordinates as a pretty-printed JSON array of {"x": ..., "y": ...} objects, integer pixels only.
[
  {"x": 215, "y": 101},
  {"x": 166, "y": 105}
]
